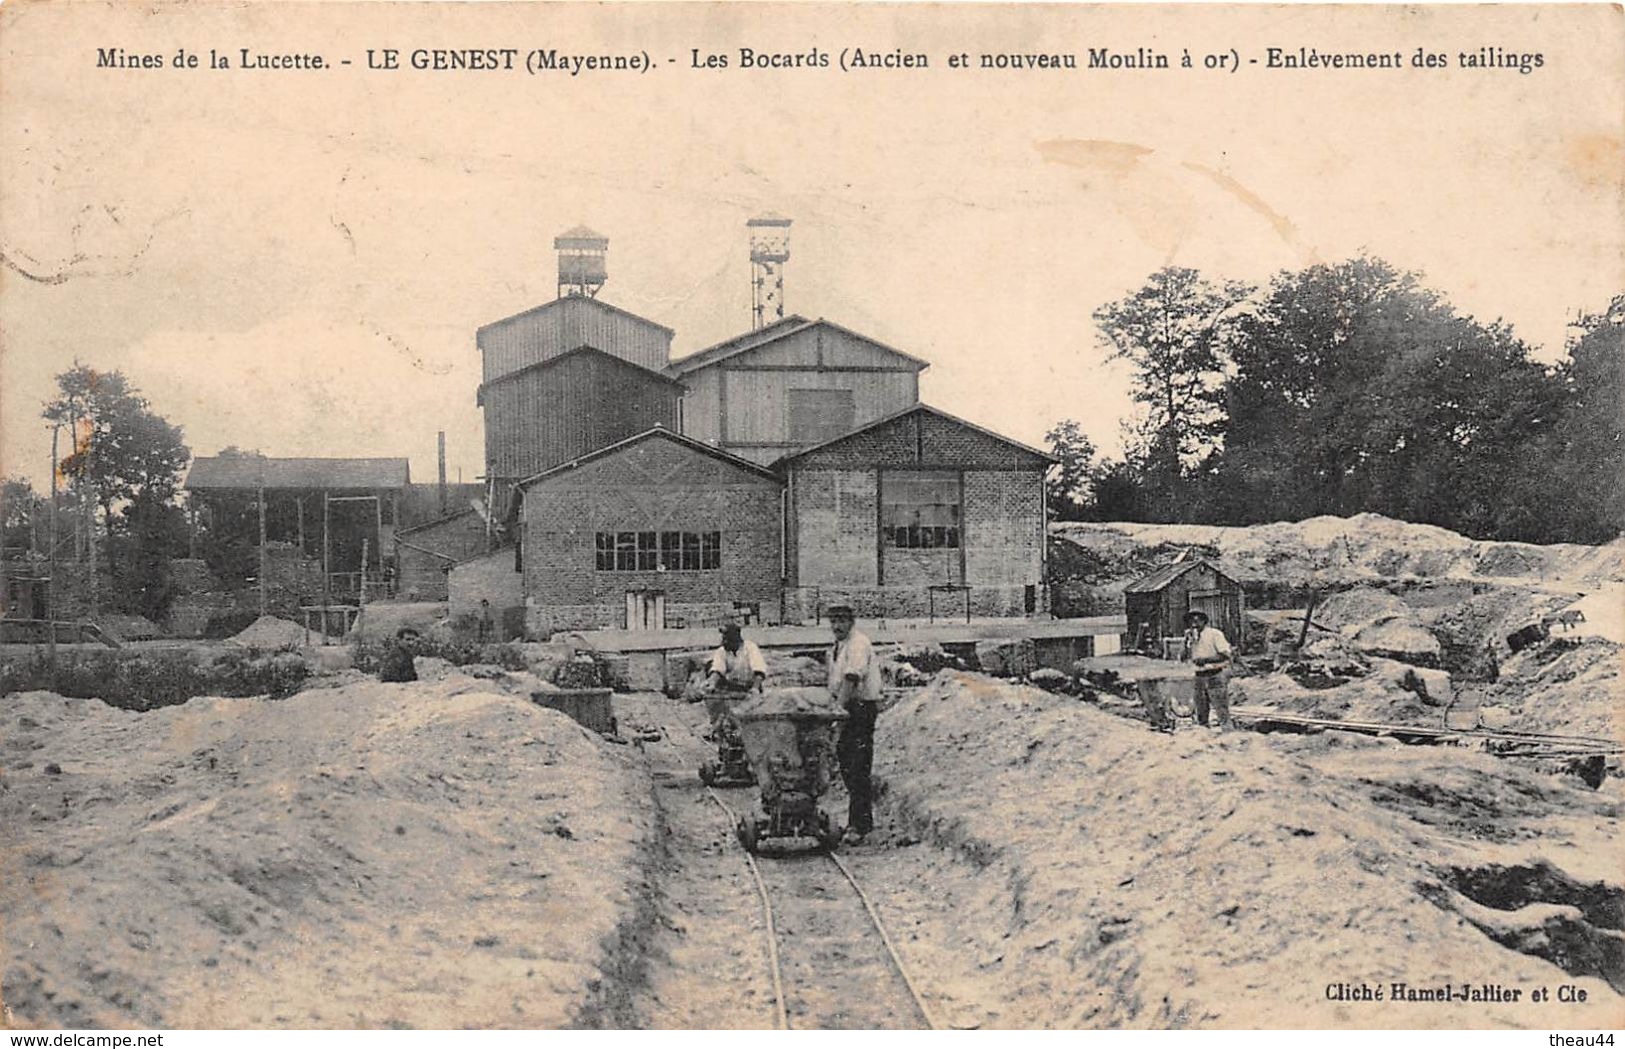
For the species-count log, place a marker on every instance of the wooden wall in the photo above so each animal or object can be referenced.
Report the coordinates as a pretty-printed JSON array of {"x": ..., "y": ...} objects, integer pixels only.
[
  {"x": 541, "y": 418},
  {"x": 742, "y": 403},
  {"x": 564, "y": 324},
  {"x": 1163, "y": 611}
]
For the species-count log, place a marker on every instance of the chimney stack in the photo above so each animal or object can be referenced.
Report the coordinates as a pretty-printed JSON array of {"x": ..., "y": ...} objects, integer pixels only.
[{"x": 442, "y": 442}]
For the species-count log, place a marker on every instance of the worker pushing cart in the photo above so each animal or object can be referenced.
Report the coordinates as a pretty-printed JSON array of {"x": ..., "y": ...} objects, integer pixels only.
[{"x": 735, "y": 672}]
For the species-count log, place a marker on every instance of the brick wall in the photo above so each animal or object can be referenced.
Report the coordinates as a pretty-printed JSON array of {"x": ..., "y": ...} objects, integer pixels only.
[
  {"x": 835, "y": 515},
  {"x": 836, "y": 548},
  {"x": 491, "y": 577},
  {"x": 654, "y": 486},
  {"x": 922, "y": 440},
  {"x": 418, "y": 568},
  {"x": 1004, "y": 539}
]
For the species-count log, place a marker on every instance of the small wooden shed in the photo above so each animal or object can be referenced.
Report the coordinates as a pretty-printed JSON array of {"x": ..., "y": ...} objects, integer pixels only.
[{"x": 1157, "y": 603}]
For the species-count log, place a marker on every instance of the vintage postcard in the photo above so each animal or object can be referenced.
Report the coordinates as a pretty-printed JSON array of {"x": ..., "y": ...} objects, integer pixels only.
[{"x": 811, "y": 516}]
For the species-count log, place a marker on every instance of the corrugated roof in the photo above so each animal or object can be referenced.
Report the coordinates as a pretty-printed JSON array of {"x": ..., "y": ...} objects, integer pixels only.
[
  {"x": 779, "y": 329},
  {"x": 910, "y": 410},
  {"x": 248, "y": 472},
  {"x": 658, "y": 431},
  {"x": 1167, "y": 574}
]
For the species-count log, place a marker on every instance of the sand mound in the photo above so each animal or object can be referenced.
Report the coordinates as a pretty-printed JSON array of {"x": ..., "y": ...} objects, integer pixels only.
[
  {"x": 1131, "y": 879},
  {"x": 1366, "y": 547},
  {"x": 1569, "y": 686},
  {"x": 367, "y": 856},
  {"x": 270, "y": 632},
  {"x": 1379, "y": 624},
  {"x": 1378, "y": 697}
]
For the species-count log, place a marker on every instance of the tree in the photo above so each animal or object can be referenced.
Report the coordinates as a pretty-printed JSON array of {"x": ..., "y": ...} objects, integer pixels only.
[
  {"x": 1069, "y": 483},
  {"x": 1118, "y": 494},
  {"x": 1576, "y": 476},
  {"x": 22, "y": 513},
  {"x": 1358, "y": 389},
  {"x": 122, "y": 451},
  {"x": 1174, "y": 330}
]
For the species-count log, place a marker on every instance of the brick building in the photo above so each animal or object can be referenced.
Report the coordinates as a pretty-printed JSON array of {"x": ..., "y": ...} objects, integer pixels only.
[
  {"x": 916, "y": 512},
  {"x": 658, "y": 530},
  {"x": 425, "y": 553}
]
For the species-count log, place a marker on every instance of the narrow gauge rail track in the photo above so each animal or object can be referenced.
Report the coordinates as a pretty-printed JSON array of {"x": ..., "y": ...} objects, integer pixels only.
[{"x": 810, "y": 916}]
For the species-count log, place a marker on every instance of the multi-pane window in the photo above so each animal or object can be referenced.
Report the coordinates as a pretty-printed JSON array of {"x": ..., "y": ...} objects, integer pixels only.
[
  {"x": 651, "y": 551},
  {"x": 817, "y": 416},
  {"x": 919, "y": 509}
]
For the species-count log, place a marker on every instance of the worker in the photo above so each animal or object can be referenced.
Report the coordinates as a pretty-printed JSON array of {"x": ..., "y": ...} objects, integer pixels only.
[
  {"x": 488, "y": 627},
  {"x": 737, "y": 665},
  {"x": 854, "y": 681},
  {"x": 397, "y": 663},
  {"x": 1208, "y": 650}
]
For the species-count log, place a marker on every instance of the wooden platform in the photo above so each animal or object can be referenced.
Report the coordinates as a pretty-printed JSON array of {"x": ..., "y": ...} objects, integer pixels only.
[{"x": 880, "y": 631}]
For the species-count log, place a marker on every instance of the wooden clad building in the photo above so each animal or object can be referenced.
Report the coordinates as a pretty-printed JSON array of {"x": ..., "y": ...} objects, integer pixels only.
[
  {"x": 792, "y": 385},
  {"x": 560, "y": 326},
  {"x": 1157, "y": 603},
  {"x": 568, "y": 405},
  {"x": 917, "y": 513}
]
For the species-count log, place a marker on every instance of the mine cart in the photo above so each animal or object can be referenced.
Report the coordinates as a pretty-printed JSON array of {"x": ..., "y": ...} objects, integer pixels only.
[
  {"x": 730, "y": 767},
  {"x": 789, "y": 738}
]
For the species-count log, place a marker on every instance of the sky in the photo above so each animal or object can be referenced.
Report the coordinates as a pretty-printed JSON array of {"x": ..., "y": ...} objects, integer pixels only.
[{"x": 297, "y": 261}]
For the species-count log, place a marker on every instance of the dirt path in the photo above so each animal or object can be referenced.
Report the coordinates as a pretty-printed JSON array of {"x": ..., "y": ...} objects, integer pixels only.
[{"x": 708, "y": 961}]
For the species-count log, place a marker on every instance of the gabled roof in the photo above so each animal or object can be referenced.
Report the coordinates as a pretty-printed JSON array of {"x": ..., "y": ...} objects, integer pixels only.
[
  {"x": 739, "y": 343},
  {"x": 910, "y": 410},
  {"x": 1166, "y": 574},
  {"x": 479, "y": 394},
  {"x": 600, "y": 303},
  {"x": 779, "y": 329},
  {"x": 252, "y": 471},
  {"x": 658, "y": 432}
]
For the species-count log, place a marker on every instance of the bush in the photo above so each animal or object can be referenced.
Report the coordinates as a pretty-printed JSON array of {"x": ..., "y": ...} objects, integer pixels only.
[
  {"x": 508, "y": 656},
  {"x": 149, "y": 680}
]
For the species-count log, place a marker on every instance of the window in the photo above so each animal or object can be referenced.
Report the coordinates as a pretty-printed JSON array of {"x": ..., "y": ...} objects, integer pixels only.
[
  {"x": 919, "y": 510},
  {"x": 817, "y": 416},
  {"x": 652, "y": 551}
]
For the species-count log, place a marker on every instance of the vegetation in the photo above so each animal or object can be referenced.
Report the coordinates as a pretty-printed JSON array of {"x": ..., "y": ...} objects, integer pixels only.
[
  {"x": 1348, "y": 388},
  {"x": 135, "y": 680},
  {"x": 122, "y": 464}
]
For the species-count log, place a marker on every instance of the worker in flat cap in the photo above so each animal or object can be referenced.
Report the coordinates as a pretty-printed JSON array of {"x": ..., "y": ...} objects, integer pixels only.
[
  {"x": 1209, "y": 651},
  {"x": 854, "y": 680}
]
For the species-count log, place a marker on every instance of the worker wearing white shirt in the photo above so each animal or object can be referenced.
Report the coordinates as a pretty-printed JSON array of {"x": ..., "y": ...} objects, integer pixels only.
[
  {"x": 854, "y": 681},
  {"x": 737, "y": 665},
  {"x": 1209, "y": 651}
]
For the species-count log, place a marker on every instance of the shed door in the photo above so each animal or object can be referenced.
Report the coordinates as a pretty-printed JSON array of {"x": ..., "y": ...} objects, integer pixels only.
[
  {"x": 1211, "y": 602},
  {"x": 645, "y": 610}
]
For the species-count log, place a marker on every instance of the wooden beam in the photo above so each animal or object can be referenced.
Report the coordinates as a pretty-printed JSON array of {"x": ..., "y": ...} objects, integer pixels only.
[{"x": 263, "y": 560}]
